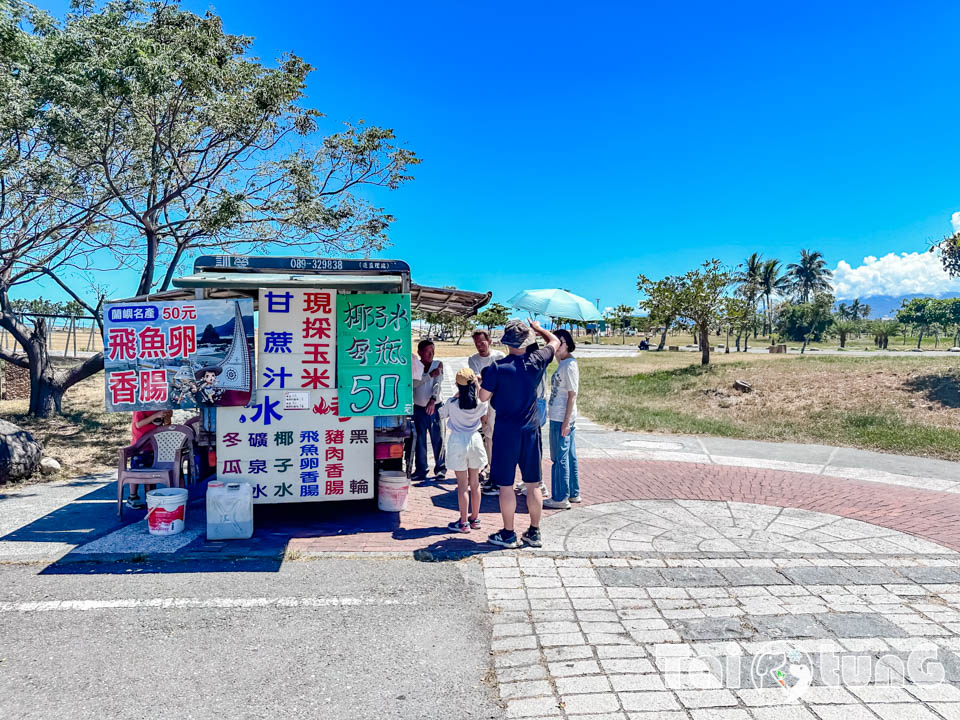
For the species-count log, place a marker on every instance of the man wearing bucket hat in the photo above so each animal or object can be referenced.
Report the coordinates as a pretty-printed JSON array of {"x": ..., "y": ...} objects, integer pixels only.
[{"x": 510, "y": 384}]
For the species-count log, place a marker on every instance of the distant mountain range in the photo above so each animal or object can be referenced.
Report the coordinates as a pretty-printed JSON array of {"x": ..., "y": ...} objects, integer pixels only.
[
  {"x": 225, "y": 331},
  {"x": 887, "y": 305}
]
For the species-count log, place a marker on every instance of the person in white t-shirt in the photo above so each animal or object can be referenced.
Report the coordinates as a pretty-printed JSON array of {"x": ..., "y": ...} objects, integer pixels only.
[
  {"x": 465, "y": 451},
  {"x": 484, "y": 357},
  {"x": 562, "y": 411}
]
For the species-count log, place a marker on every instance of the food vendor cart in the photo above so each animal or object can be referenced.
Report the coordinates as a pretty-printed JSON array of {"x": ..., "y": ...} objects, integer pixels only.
[{"x": 320, "y": 404}]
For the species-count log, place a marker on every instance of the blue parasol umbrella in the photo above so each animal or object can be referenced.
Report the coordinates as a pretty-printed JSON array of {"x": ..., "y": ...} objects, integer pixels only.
[{"x": 556, "y": 303}]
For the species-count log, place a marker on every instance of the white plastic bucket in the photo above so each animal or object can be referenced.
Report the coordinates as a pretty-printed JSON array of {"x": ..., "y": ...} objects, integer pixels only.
[
  {"x": 166, "y": 510},
  {"x": 392, "y": 495}
]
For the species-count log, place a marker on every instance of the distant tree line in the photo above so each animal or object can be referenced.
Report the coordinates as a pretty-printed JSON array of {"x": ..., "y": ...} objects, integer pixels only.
[{"x": 794, "y": 304}]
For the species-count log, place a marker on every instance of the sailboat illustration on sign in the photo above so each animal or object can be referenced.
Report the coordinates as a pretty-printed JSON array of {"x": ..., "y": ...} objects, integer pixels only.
[{"x": 234, "y": 369}]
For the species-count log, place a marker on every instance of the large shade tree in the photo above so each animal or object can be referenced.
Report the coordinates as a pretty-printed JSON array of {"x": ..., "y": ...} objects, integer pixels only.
[
  {"x": 160, "y": 137},
  {"x": 51, "y": 211},
  {"x": 203, "y": 147}
]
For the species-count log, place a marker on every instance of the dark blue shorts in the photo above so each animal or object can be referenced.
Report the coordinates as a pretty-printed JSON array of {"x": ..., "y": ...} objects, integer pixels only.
[{"x": 513, "y": 446}]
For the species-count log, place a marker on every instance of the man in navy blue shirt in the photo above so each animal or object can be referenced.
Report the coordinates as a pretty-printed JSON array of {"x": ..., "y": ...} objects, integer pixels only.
[{"x": 510, "y": 384}]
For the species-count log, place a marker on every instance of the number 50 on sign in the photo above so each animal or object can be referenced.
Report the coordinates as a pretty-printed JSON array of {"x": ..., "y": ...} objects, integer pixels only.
[{"x": 374, "y": 355}]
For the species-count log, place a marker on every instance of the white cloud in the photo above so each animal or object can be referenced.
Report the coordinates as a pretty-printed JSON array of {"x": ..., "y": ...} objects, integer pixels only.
[
  {"x": 955, "y": 221},
  {"x": 893, "y": 274}
]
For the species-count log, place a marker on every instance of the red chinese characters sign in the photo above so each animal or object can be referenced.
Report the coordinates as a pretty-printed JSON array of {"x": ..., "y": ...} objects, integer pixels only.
[
  {"x": 297, "y": 337},
  {"x": 168, "y": 355}
]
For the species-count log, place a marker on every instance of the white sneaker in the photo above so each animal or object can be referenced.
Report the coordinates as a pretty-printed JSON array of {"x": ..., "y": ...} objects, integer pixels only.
[
  {"x": 522, "y": 489},
  {"x": 551, "y": 504},
  {"x": 575, "y": 499}
]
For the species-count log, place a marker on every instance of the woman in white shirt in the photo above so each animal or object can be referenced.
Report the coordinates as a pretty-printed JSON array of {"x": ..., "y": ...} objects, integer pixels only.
[
  {"x": 564, "y": 386},
  {"x": 465, "y": 453}
]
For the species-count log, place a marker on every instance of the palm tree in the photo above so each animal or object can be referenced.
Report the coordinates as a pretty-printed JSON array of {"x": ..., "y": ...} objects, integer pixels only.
[
  {"x": 843, "y": 312},
  {"x": 882, "y": 330},
  {"x": 771, "y": 283},
  {"x": 865, "y": 311},
  {"x": 810, "y": 275},
  {"x": 749, "y": 282},
  {"x": 842, "y": 327},
  {"x": 752, "y": 270},
  {"x": 856, "y": 310}
]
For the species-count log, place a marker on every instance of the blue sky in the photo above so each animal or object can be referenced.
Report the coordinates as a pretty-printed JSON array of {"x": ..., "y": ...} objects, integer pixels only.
[{"x": 575, "y": 145}]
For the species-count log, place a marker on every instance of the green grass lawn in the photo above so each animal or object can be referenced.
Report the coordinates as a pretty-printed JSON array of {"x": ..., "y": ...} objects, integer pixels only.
[{"x": 901, "y": 405}]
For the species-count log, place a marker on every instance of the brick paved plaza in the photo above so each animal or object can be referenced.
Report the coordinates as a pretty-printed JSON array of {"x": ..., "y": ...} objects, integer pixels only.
[{"x": 677, "y": 638}]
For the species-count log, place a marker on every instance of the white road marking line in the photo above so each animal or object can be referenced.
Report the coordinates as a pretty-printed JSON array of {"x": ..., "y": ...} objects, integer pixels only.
[{"x": 196, "y": 603}]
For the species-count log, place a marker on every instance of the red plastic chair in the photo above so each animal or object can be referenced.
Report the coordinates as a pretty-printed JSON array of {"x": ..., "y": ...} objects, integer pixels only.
[{"x": 168, "y": 444}]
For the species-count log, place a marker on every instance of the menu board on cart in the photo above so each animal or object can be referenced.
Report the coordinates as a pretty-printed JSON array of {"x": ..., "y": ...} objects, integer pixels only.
[
  {"x": 374, "y": 354},
  {"x": 294, "y": 455},
  {"x": 178, "y": 354},
  {"x": 297, "y": 337},
  {"x": 290, "y": 442}
]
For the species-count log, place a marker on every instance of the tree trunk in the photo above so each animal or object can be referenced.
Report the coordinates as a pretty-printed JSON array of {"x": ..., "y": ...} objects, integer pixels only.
[
  {"x": 150, "y": 261},
  {"x": 770, "y": 318},
  {"x": 704, "y": 344},
  {"x": 663, "y": 338},
  {"x": 746, "y": 339},
  {"x": 843, "y": 340},
  {"x": 739, "y": 334},
  {"x": 919, "y": 339},
  {"x": 47, "y": 384},
  {"x": 46, "y": 397},
  {"x": 726, "y": 347}
]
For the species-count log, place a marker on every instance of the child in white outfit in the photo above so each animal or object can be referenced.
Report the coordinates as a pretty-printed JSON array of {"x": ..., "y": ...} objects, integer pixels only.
[{"x": 465, "y": 453}]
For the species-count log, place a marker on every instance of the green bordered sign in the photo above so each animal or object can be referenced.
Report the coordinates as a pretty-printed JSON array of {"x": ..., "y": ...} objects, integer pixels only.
[{"x": 374, "y": 355}]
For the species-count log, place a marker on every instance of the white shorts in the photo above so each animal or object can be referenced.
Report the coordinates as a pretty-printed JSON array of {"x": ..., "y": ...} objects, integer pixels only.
[{"x": 465, "y": 451}]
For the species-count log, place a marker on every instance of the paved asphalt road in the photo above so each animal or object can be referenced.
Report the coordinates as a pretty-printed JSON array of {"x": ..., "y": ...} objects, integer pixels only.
[{"x": 332, "y": 638}]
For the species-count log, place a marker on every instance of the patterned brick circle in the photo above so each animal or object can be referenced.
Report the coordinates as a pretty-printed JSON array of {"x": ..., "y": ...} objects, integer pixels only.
[
  {"x": 705, "y": 526},
  {"x": 926, "y": 514}
]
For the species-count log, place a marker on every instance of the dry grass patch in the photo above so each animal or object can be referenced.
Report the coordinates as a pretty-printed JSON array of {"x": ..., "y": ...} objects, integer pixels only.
[
  {"x": 903, "y": 405},
  {"x": 86, "y": 438}
]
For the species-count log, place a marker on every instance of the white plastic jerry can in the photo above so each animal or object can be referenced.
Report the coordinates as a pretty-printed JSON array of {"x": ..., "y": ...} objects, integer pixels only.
[{"x": 229, "y": 511}]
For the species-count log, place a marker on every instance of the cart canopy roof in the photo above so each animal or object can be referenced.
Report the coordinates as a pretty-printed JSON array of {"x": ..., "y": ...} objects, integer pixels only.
[{"x": 231, "y": 276}]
